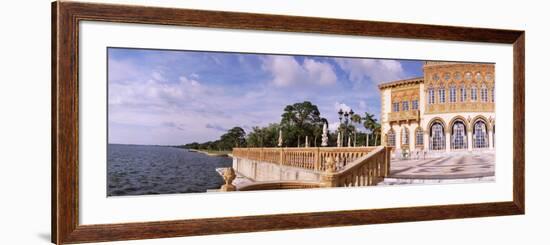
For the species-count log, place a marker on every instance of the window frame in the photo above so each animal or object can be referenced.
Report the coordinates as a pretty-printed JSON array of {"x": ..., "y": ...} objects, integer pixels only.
[{"x": 441, "y": 95}]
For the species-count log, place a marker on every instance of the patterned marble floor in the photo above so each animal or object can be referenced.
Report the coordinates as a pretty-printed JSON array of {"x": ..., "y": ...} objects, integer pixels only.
[{"x": 452, "y": 166}]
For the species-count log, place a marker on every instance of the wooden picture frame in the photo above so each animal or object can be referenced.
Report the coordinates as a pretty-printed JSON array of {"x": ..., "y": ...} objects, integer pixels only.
[{"x": 65, "y": 121}]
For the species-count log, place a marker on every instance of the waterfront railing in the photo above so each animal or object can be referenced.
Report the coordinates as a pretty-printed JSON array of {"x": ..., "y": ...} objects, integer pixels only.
[{"x": 340, "y": 166}]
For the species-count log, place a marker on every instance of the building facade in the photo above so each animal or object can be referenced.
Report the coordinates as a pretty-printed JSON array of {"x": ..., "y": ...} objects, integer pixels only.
[{"x": 451, "y": 108}]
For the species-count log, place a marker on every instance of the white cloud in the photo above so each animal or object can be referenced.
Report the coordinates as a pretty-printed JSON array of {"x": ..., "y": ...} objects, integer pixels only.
[
  {"x": 181, "y": 111},
  {"x": 286, "y": 71},
  {"x": 123, "y": 71},
  {"x": 333, "y": 126},
  {"x": 157, "y": 75},
  {"x": 168, "y": 109},
  {"x": 318, "y": 72},
  {"x": 378, "y": 71},
  {"x": 155, "y": 92},
  {"x": 341, "y": 106}
]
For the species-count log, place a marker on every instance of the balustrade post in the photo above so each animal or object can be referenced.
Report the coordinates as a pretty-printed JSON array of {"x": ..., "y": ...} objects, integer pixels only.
[
  {"x": 329, "y": 178},
  {"x": 387, "y": 161},
  {"x": 317, "y": 159},
  {"x": 280, "y": 155},
  {"x": 262, "y": 154}
]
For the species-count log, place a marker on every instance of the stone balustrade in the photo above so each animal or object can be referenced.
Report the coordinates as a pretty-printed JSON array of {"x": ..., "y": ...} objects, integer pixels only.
[
  {"x": 367, "y": 170},
  {"x": 312, "y": 158},
  {"x": 327, "y": 166}
]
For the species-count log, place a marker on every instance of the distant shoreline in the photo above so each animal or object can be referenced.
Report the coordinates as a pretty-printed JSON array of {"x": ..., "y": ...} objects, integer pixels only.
[
  {"x": 141, "y": 145},
  {"x": 205, "y": 152},
  {"x": 212, "y": 153}
]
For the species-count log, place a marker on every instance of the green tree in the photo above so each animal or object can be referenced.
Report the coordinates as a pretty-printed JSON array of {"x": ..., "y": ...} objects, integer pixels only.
[
  {"x": 299, "y": 120},
  {"x": 234, "y": 137},
  {"x": 377, "y": 134},
  {"x": 263, "y": 137},
  {"x": 371, "y": 124},
  {"x": 355, "y": 119}
]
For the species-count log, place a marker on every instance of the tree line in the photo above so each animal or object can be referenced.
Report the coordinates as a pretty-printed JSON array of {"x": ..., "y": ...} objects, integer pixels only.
[{"x": 297, "y": 121}]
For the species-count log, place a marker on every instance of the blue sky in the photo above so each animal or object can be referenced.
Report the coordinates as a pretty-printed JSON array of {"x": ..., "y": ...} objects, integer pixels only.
[{"x": 171, "y": 97}]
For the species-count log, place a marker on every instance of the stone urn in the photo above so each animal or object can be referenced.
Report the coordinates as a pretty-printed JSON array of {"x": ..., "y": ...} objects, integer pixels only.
[{"x": 228, "y": 177}]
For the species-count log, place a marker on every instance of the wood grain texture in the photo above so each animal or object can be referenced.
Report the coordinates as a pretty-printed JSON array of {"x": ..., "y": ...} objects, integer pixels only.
[
  {"x": 149, "y": 230},
  {"x": 519, "y": 123},
  {"x": 54, "y": 123},
  {"x": 65, "y": 121},
  {"x": 235, "y": 20}
]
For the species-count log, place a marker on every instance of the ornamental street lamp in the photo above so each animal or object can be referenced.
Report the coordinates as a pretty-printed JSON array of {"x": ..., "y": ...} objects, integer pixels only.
[{"x": 345, "y": 119}]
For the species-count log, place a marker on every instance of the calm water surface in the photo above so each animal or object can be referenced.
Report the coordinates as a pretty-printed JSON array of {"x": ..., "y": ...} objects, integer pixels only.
[{"x": 140, "y": 170}]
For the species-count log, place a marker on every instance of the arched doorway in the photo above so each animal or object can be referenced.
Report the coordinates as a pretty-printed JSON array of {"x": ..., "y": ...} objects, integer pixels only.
[
  {"x": 480, "y": 136},
  {"x": 437, "y": 136},
  {"x": 459, "y": 139}
]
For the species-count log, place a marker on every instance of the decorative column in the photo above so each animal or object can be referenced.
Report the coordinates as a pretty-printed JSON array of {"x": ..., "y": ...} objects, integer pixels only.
[
  {"x": 470, "y": 140},
  {"x": 426, "y": 140},
  {"x": 324, "y": 137},
  {"x": 490, "y": 138},
  {"x": 280, "y": 141},
  {"x": 412, "y": 139},
  {"x": 448, "y": 141},
  {"x": 397, "y": 138},
  {"x": 329, "y": 178}
]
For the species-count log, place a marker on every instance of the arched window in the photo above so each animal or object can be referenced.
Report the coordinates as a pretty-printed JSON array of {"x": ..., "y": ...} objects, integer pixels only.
[
  {"x": 431, "y": 96},
  {"x": 463, "y": 93},
  {"x": 447, "y": 76},
  {"x": 480, "y": 135},
  {"x": 468, "y": 76},
  {"x": 441, "y": 94},
  {"x": 419, "y": 137},
  {"x": 405, "y": 105},
  {"x": 478, "y": 76},
  {"x": 458, "y": 77},
  {"x": 452, "y": 94},
  {"x": 473, "y": 93},
  {"x": 396, "y": 106},
  {"x": 391, "y": 138},
  {"x": 414, "y": 104},
  {"x": 437, "y": 137},
  {"x": 458, "y": 136},
  {"x": 404, "y": 136},
  {"x": 493, "y": 94},
  {"x": 484, "y": 93}
]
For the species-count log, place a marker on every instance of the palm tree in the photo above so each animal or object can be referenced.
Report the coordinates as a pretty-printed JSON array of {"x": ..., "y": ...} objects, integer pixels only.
[
  {"x": 376, "y": 133},
  {"x": 355, "y": 119},
  {"x": 370, "y": 124}
]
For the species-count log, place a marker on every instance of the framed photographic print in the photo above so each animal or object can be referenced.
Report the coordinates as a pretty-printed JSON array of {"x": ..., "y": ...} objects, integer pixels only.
[{"x": 176, "y": 122}]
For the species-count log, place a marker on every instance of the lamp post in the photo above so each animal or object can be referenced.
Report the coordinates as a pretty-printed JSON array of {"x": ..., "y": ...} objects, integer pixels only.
[{"x": 345, "y": 119}]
